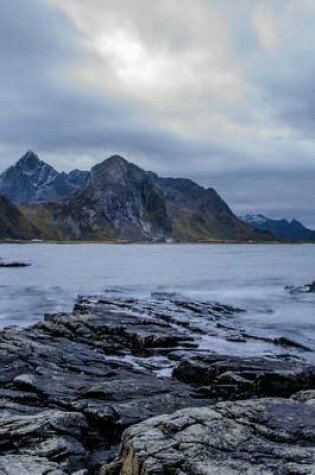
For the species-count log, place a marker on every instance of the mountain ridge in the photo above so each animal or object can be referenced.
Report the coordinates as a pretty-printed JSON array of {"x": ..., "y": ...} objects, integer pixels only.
[
  {"x": 281, "y": 228},
  {"x": 119, "y": 201}
]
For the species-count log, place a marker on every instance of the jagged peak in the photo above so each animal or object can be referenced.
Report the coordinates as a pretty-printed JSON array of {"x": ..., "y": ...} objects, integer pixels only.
[
  {"x": 31, "y": 163},
  {"x": 29, "y": 158}
]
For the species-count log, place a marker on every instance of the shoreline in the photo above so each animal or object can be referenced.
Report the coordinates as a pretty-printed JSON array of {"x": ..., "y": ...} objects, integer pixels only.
[
  {"x": 159, "y": 243},
  {"x": 76, "y": 385}
]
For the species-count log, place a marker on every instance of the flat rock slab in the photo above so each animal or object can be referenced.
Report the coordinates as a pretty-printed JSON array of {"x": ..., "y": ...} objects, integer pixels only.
[{"x": 252, "y": 437}]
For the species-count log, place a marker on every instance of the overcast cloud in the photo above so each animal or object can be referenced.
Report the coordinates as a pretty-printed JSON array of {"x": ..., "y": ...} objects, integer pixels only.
[{"x": 221, "y": 91}]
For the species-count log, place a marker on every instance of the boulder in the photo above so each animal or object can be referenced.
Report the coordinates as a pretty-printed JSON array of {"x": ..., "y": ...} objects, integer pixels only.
[{"x": 252, "y": 437}]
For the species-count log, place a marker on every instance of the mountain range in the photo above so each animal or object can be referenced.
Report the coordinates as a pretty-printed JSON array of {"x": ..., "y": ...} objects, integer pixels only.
[
  {"x": 280, "y": 228},
  {"x": 117, "y": 200}
]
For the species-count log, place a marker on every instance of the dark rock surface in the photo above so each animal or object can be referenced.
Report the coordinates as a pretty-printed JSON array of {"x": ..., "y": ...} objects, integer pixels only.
[
  {"x": 71, "y": 385},
  {"x": 302, "y": 289},
  {"x": 4, "y": 263},
  {"x": 28, "y": 465},
  {"x": 255, "y": 437},
  {"x": 226, "y": 377},
  {"x": 67, "y": 391}
]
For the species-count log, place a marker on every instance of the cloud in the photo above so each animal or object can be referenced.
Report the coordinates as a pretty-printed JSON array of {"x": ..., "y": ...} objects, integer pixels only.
[{"x": 216, "y": 90}]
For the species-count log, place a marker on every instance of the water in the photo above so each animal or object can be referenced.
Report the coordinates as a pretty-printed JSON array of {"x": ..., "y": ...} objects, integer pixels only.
[{"x": 249, "y": 276}]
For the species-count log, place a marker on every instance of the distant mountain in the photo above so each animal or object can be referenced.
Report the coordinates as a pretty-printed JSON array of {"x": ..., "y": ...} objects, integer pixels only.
[
  {"x": 13, "y": 224},
  {"x": 31, "y": 180},
  {"x": 122, "y": 201},
  {"x": 281, "y": 228},
  {"x": 198, "y": 213}
]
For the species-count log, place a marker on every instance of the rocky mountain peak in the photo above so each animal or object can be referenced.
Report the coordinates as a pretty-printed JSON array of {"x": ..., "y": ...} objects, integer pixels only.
[
  {"x": 117, "y": 169},
  {"x": 29, "y": 159},
  {"x": 119, "y": 201},
  {"x": 115, "y": 162},
  {"x": 31, "y": 180}
]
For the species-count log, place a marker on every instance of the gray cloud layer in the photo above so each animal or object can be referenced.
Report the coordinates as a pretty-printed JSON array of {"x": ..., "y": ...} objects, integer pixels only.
[{"x": 220, "y": 91}]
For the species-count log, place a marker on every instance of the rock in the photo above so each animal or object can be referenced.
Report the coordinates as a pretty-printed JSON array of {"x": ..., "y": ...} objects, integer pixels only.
[
  {"x": 4, "y": 263},
  {"x": 256, "y": 437},
  {"x": 113, "y": 468},
  {"x": 72, "y": 384},
  {"x": 232, "y": 377},
  {"x": 24, "y": 465},
  {"x": 50, "y": 434},
  {"x": 302, "y": 289},
  {"x": 307, "y": 396}
]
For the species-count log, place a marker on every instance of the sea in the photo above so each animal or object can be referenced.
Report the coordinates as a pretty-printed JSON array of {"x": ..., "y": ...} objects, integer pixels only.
[{"x": 250, "y": 276}]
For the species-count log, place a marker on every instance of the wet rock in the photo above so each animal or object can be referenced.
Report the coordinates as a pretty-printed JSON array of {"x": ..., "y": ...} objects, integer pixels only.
[
  {"x": 71, "y": 385},
  {"x": 228, "y": 377},
  {"x": 4, "y": 263},
  {"x": 302, "y": 289},
  {"x": 257, "y": 437}
]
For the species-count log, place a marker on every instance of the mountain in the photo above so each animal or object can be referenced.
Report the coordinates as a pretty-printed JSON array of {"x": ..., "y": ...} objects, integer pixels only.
[
  {"x": 31, "y": 180},
  {"x": 13, "y": 224},
  {"x": 199, "y": 213},
  {"x": 122, "y": 201},
  {"x": 119, "y": 201},
  {"x": 281, "y": 228}
]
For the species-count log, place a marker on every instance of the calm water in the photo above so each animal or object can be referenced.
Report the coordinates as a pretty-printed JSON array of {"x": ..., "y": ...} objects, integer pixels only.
[{"x": 249, "y": 276}]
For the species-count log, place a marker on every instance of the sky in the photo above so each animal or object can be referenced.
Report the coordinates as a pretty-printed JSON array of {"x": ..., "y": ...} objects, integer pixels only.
[{"x": 220, "y": 91}]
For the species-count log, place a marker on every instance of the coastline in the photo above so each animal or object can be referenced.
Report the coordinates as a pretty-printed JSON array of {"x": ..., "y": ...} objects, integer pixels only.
[
  {"x": 76, "y": 385},
  {"x": 117, "y": 242}
]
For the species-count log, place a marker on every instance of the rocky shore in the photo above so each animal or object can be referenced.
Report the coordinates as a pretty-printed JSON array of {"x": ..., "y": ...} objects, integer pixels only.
[{"x": 127, "y": 386}]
